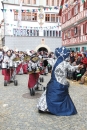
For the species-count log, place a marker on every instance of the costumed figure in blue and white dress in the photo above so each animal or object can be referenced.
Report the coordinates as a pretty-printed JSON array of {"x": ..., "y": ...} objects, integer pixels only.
[{"x": 56, "y": 98}]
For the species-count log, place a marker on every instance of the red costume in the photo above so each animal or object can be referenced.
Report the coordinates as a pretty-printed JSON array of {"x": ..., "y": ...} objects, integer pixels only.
[
  {"x": 8, "y": 72},
  {"x": 25, "y": 68},
  {"x": 33, "y": 79}
]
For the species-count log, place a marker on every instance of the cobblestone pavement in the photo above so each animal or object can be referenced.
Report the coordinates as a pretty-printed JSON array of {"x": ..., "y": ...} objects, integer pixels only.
[{"x": 19, "y": 113}]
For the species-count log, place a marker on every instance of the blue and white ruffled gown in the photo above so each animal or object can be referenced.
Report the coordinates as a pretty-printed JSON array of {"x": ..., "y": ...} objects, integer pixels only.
[{"x": 56, "y": 98}]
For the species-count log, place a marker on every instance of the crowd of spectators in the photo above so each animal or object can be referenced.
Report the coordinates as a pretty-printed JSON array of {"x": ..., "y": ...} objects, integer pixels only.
[{"x": 77, "y": 58}]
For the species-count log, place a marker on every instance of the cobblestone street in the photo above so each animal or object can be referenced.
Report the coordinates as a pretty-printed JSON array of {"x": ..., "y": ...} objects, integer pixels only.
[{"x": 18, "y": 110}]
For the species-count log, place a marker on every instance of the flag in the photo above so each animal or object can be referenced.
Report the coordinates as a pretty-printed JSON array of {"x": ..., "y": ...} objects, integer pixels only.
[
  {"x": 19, "y": 13},
  {"x": 60, "y": 12}
]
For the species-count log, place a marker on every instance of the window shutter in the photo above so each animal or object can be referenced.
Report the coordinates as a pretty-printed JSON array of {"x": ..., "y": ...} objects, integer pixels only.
[
  {"x": 84, "y": 28},
  {"x": 72, "y": 11},
  {"x": 79, "y": 31},
  {"x": 86, "y": 4},
  {"x": 66, "y": 16},
  {"x": 78, "y": 7},
  {"x": 62, "y": 19},
  {"x": 72, "y": 32},
  {"x": 63, "y": 36}
]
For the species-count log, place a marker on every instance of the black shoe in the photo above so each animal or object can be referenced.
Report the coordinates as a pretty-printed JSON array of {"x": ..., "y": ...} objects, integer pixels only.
[
  {"x": 40, "y": 111},
  {"x": 32, "y": 91},
  {"x": 46, "y": 112}
]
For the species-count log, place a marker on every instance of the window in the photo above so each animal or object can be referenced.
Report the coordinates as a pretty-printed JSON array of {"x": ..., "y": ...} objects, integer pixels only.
[
  {"x": 53, "y": 33},
  {"x": 52, "y": 2},
  {"x": 69, "y": 14},
  {"x": 66, "y": 1},
  {"x": 59, "y": 33},
  {"x": 23, "y": 16},
  {"x": 50, "y": 33},
  {"x": 63, "y": 36},
  {"x": 57, "y": 2},
  {"x": 72, "y": 32},
  {"x": 85, "y": 4},
  {"x": 52, "y": 17},
  {"x": 85, "y": 28},
  {"x": 25, "y": 32},
  {"x": 47, "y": 33},
  {"x": 15, "y": 16},
  {"x": 69, "y": 34},
  {"x": 66, "y": 35},
  {"x": 44, "y": 33},
  {"x": 56, "y": 33},
  {"x": 34, "y": 16},
  {"x": 28, "y": 1},
  {"x": 23, "y": 1},
  {"x": 75, "y": 9},
  {"x": 34, "y": 1},
  {"x": 75, "y": 31},
  {"x": 64, "y": 18},
  {"x": 59, "y": 19},
  {"x": 79, "y": 31},
  {"x": 47, "y": 17},
  {"x": 37, "y": 32},
  {"x": 46, "y": 2},
  {"x": 56, "y": 17},
  {"x": 28, "y": 16}
]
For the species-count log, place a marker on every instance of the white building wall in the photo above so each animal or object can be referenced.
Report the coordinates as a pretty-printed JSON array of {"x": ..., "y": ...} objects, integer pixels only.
[
  {"x": 38, "y": 2},
  {"x": 24, "y": 43},
  {"x": 9, "y": 18}
]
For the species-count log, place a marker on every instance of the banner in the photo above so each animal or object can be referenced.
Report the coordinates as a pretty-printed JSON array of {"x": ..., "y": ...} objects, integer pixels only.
[{"x": 29, "y": 27}]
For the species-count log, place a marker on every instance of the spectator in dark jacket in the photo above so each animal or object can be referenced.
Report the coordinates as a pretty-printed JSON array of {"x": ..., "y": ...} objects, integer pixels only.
[{"x": 72, "y": 57}]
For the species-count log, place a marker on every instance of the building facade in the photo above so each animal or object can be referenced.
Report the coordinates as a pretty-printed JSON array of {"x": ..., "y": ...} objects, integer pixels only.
[
  {"x": 74, "y": 24},
  {"x": 33, "y": 23}
]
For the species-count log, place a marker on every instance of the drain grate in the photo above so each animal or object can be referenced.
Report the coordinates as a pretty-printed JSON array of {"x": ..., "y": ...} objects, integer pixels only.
[{"x": 27, "y": 95}]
